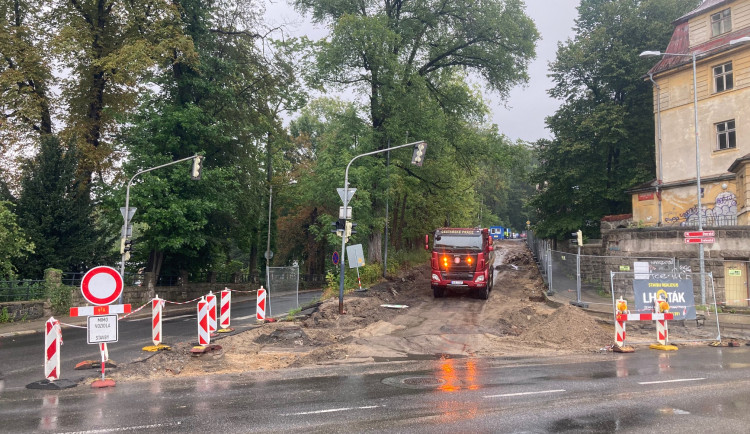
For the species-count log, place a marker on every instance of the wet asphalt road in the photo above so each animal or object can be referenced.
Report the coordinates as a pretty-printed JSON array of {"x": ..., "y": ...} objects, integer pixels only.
[
  {"x": 22, "y": 357},
  {"x": 696, "y": 389}
]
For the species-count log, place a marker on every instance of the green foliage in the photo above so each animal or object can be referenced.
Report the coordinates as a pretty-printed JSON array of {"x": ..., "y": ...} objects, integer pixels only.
[
  {"x": 5, "y": 316},
  {"x": 60, "y": 297},
  {"x": 56, "y": 212},
  {"x": 412, "y": 61},
  {"x": 604, "y": 131},
  {"x": 14, "y": 246}
]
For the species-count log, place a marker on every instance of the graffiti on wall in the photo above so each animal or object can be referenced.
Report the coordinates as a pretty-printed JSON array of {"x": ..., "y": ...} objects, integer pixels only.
[{"x": 724, "y": 212}]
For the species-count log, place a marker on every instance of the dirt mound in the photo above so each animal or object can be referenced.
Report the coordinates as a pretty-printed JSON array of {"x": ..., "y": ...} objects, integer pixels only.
[{"x": 567, "y": 327}]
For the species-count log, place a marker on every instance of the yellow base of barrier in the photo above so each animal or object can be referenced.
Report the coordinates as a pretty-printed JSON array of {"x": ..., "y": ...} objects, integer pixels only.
[
  {"x": 663, "y": 347},
  {"x": 155, "y": 348}
]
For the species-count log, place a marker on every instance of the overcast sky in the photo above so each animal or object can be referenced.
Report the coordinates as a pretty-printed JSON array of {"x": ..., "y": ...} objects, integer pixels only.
[{"x": 522, "y": 115}]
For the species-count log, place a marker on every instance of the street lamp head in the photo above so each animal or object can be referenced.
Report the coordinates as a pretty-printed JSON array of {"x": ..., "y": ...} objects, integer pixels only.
[
  {"x": 650, "y": 54},
  {"x": 741, "y": 40}
]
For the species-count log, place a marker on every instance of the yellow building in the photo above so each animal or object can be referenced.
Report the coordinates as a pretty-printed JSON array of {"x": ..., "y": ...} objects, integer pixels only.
[{"x": 716, "y": 35}]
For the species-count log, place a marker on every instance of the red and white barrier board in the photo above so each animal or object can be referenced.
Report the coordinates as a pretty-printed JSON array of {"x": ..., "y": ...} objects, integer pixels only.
[
  {"x": 260, "y": 309},
  {"x": 644, "y": 316},
  {"x": 52, "y": 341},
  {"x": 211, "y": 300},
  {"x": 226, "y": 305},
  {"x": 99, "y": 310},
  {"x": 620, "y": 332},
  {"x": 204, "y": 334},
  {"x": 157, "y": 305}
]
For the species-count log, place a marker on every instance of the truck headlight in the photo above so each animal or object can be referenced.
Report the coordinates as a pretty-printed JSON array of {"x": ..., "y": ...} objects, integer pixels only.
[
  {"x": 479, "y": 278},
  {"x": 435, "y": 277}
]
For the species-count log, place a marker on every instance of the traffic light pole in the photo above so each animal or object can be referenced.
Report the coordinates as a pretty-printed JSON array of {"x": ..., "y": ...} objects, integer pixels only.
[
  {"x": 346, "y": 203},
  {"x": 127, "y": 207}
]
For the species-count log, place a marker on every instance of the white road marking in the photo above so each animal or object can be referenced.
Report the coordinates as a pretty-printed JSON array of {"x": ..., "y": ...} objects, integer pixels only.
[
  {"x": 332, "y": 410},
  {"x": 525, "y": 393},
  {"x": 671, "y": 381},
  {"x": 243, "y": 317},
  {"x": 126, "y": 428}
]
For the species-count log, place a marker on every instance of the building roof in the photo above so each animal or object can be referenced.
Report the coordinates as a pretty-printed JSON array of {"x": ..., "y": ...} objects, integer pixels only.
[
  {"x": 680, "y": 44},
  {"x": 735, "y": 167},
  {"x": 707, "y": 5}
]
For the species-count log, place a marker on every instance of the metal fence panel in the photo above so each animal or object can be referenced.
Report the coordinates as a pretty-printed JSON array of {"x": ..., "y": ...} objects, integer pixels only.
[
  {"x": 705, "y": 327},
  {"x": 283, "y": 280},
  {"x": 22, "y": 290}
]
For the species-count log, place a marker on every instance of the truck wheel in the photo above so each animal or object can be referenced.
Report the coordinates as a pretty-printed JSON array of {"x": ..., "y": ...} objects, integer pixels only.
[
  {"x": 484, "y": 293},
  {"x": 438, "y": 292}
]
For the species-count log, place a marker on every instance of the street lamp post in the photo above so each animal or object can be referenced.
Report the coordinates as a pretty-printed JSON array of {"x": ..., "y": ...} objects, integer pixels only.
[
  {"x": 195, "y": 158},
  {"x": 345, "y": 199},
  {"x": 701, "y": 256}
]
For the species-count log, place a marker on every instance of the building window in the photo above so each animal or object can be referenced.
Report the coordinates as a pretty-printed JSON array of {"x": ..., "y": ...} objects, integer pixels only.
[
  {"x": 721, "y": 22},
  {"x": 723, "y": 79},
  {"x": 725, "y": 135}
]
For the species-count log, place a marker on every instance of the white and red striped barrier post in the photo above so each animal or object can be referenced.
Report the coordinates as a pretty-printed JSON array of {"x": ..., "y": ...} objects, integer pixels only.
[
  {"x": 620, "y": 332},
  {"x": 226, "y": 307},
  {"x": 157, "y": 305},
  {"x": 662, "y": 333},
  {"x": 260, "y": 309},
  {"x": 52, "y": 341},
  {"x": 211, "y": 300},
  {"x": 204, "y": 334},
  {"x": 661, "y": 306},
  {"x": 622, "y": 308}
]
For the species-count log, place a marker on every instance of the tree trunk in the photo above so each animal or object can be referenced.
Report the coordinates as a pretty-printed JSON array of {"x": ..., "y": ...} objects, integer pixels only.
[{"x": 375, "y": 248}]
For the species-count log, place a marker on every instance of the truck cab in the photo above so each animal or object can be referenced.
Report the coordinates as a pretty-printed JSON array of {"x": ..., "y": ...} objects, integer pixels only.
[{"x": 462, "y": 261}]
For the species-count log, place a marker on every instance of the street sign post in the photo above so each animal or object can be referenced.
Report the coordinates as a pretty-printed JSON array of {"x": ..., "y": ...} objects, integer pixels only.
[{"x": 101, "y": 285}]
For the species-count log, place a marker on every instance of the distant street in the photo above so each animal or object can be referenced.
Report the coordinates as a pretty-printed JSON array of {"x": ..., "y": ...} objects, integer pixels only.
[
  {"x": 693, "y": 389},
  {"x": 21, "y": 357}
]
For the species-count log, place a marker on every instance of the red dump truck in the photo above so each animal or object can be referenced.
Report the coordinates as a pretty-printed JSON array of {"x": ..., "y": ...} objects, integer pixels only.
[{"x": 462, "y": 261}]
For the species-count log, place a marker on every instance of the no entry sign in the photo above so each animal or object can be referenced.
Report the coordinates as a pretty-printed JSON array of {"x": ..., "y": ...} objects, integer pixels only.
[{"x": 101, "y": 285}]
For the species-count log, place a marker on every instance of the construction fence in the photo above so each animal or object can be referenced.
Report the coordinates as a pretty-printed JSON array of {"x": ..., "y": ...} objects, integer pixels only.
[{"x": 597, "y": 282}]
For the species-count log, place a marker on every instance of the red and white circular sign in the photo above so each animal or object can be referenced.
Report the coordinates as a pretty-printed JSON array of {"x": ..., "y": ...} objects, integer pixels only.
[{"x": 101, "y": 285}]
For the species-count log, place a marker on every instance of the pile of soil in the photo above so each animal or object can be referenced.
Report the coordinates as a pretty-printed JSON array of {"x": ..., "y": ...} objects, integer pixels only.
[{"x": 515, "y": 321}]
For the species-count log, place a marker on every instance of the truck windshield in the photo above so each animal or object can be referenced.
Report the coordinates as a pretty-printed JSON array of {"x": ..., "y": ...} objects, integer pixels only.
[{"x": 470, "y": 241}]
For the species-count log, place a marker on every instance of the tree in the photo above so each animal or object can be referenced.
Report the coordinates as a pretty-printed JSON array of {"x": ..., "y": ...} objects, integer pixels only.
[
  {"x": 14, "y": 245},
  {"x": 411, "y": 59},
  {"x": 56, "y": 212},
  {"x": 222, "y": 103},
  {"x": 603, "y": 132}
]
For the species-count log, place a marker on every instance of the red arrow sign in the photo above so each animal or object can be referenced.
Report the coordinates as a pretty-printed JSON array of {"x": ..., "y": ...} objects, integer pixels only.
[
  {"x": 699, "y": 234},
  {"x": 699, "y": 240}
]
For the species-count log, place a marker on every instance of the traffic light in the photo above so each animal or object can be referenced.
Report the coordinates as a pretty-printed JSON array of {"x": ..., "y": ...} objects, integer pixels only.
[
  {"x": 577, "y": 237},
  {"x": 349, "y": 229},
  {"x": 338, "y": 227},
  {"x": 128, "y": 245},
  {"x": 197, "y": 170},
  {"x": 418, "y": 156}
]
